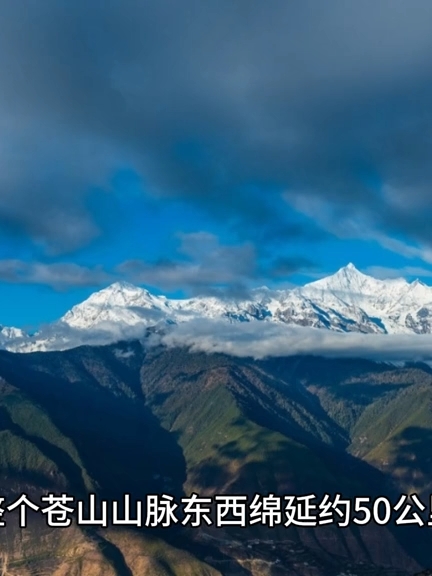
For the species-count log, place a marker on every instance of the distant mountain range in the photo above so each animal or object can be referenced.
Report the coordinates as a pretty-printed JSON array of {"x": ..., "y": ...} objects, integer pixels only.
[{"x": 347, "y": 301}]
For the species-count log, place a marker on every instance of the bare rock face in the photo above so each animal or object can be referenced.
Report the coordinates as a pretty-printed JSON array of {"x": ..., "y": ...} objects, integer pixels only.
[{"x": 420, "y": 322}]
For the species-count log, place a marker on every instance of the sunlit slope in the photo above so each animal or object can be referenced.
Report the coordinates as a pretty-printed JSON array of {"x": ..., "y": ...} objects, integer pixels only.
[
  {"x": 395, "y": 434},
  {"x": 386, "y": 413},
  {"x": 243, "y": 431},
  {"x": 224, "y": 448}
]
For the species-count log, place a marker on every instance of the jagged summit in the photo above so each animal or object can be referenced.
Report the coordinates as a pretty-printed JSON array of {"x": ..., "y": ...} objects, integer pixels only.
[
  {"x": 346, "y": 301},
  {"x": 351, "y": 281},
  {"x": 350, "y": 273},
  {"x": 122, "y": 285},
  {"x": 349, "y": 270}
]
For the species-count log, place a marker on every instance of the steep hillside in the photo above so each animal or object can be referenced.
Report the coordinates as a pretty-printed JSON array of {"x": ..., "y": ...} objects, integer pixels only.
[
  {"x": 124, "y": 418},
  {"x": 250, "y": 427}
]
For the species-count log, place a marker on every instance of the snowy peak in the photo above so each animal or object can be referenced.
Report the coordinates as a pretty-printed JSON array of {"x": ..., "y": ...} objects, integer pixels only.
[
  {"x": 119, "y": 303},
  {"x": 347, "y": 301},
  {"x": 120, "y": 294},
  {"x": 346, "y": 279},
  {"x": 349, "y": 271}
]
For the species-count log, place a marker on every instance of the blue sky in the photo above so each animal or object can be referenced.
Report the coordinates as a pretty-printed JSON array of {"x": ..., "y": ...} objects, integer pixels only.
[
  {"x": 136, "y": 227},
  {"x": 210, "y": 147}
]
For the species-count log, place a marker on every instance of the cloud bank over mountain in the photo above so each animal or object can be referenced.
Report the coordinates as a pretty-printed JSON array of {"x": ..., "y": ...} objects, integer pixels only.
[
  {"x": 256, "y": 340},
  {"x": 273, "y": 340}
]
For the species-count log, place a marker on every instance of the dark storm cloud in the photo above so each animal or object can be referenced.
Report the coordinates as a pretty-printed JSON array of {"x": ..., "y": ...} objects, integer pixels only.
[
  {"x": 223, "y": 103},
  {"x": 285, "y": 266},
  {"x": 209, "y": 267},
  {"x": 58, "y": 275},
  {"x": 205, "y": 265}
]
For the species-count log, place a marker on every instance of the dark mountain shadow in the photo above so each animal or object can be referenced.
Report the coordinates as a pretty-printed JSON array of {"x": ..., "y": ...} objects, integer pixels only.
[
  {"x": 110, "y": 552},
  {"x": 284, "y": 470},
  {"x": 318, "y": 368},
  {"x": 287, "y": 408},
  {"x": 420, "y": 365},
  {"x": 61, "y": 459},
  {"x": 413, "y": 460},
  {"x": 122, "y": 445}
]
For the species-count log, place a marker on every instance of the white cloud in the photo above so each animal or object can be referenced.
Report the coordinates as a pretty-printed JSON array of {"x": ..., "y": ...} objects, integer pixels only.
[
  {"x": 124, "y": 354},
  {"x": 384, "y": 272},
  {"x": 360, "y": 225},
  {"x": 266, "y": 339}
]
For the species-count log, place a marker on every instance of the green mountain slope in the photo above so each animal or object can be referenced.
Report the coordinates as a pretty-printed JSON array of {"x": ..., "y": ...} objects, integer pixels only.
[{"x": 125, "y": 418}]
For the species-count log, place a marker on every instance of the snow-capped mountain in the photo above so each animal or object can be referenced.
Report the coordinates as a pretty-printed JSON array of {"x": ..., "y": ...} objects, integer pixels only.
[
  {"x": 347, "y": 301},
  {"x": 119, "y": 303}
]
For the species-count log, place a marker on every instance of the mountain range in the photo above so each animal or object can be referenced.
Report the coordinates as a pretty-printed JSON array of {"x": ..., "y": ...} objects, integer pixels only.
[
  {"x": 347, "y": 301},
  {"x": 125, "y": 417},
  {"x": 122, "y": 419}
]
